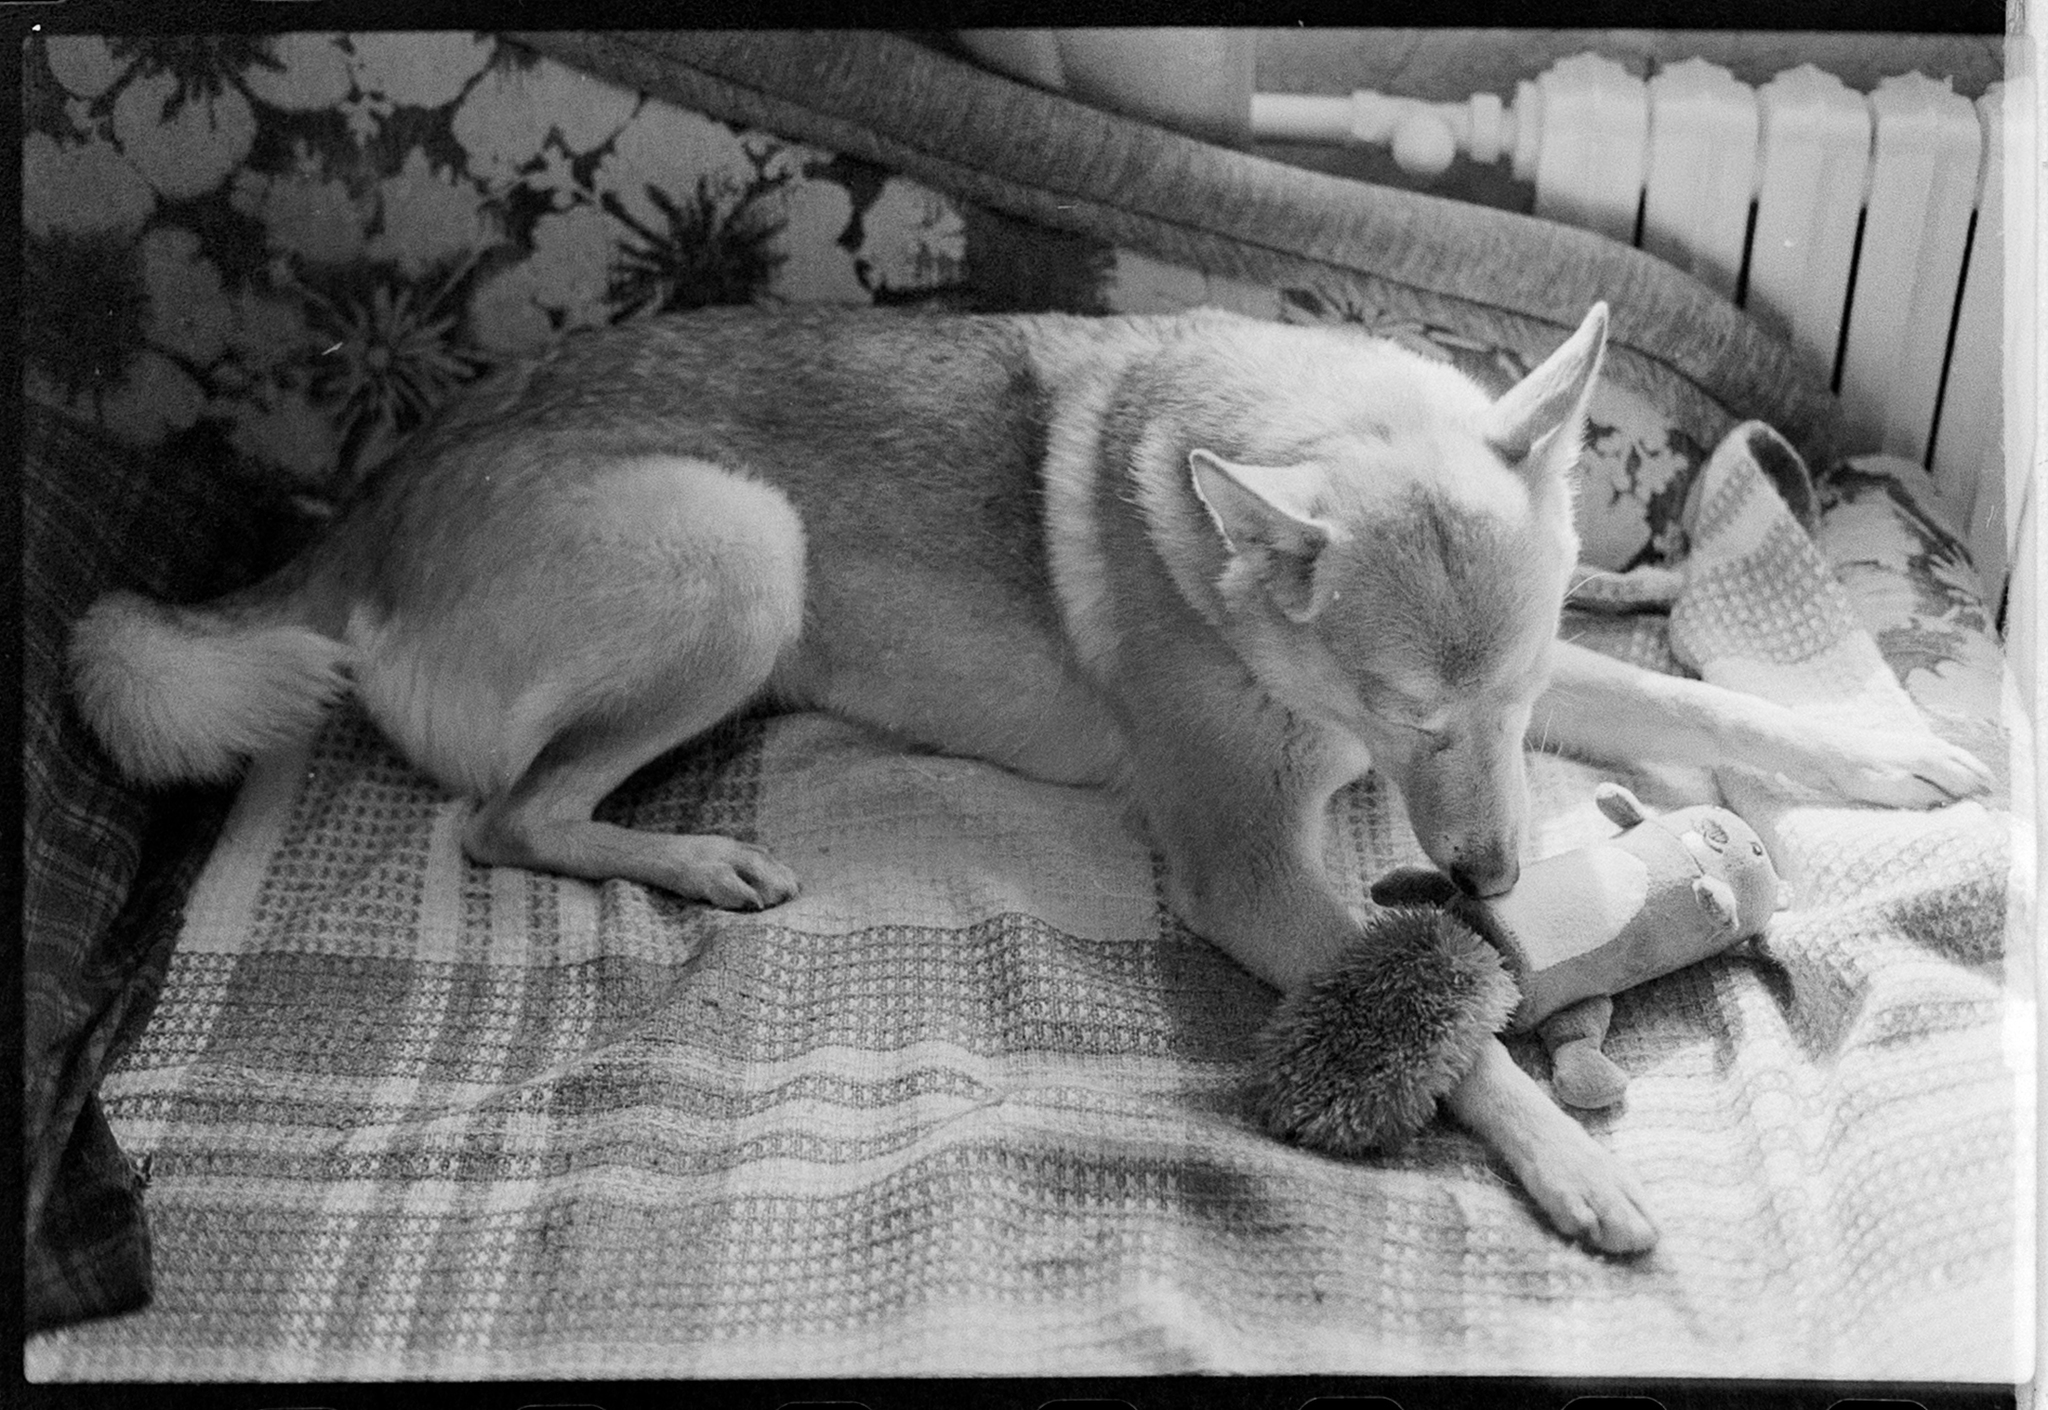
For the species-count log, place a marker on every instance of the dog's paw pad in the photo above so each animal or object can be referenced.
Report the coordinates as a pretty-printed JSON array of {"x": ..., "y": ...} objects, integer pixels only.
[
  {"x": 738, "y": 876},
  {"x": 1593, "y": 1198},
  {"x": 771, "y": 882},
  {"x": 1622, "y": 1228},
  {"x": 1908, "y": 770}
]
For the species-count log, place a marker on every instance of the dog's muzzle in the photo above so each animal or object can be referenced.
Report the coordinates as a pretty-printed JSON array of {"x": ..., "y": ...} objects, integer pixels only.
[{"x": 1484, "y": 881}]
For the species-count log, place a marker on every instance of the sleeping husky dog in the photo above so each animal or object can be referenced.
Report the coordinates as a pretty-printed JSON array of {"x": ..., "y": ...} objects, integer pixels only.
[{"x": 1222, "y": 565}]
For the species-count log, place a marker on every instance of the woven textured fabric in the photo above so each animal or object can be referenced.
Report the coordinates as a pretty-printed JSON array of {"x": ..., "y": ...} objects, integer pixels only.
[
  {"x": 1767, "y": 616},
  {"x": 971, "y": 1103},
  {"x": 104, "y": 868}
]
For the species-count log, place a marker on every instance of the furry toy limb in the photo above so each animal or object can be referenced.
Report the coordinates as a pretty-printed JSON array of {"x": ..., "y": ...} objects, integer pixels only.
[{"x": 1356, "y": 1059}]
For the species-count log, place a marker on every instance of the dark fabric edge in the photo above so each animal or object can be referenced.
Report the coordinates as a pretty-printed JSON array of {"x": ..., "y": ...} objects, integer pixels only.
[
  {"x": 71, "y": 1163},
  {"x": 985, "y": 138},
  {"x": 90, "y": 1254}
]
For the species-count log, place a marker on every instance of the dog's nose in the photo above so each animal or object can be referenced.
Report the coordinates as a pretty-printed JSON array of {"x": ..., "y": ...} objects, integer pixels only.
[{"x": 1482, "y": 882}]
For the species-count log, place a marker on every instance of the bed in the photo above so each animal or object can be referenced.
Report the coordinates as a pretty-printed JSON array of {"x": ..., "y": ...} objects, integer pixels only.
[{"x": 311, "y": 1097}]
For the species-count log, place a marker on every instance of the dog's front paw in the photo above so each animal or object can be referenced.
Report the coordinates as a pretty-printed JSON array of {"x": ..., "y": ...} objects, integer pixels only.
[
  {"x": 1582, "y": 1188},
  {"x": 1899, "y": 770},
  {"x": 1588, "y": 1194}
]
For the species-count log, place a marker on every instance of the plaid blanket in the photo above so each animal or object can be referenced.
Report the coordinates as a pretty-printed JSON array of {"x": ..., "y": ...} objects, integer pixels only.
[
  {"x": 104, "y": 868},
  {"x": 971, "y": 1103}
]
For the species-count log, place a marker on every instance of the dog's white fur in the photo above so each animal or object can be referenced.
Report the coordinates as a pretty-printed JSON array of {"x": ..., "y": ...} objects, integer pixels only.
[{"x": 1219, "y": 564}]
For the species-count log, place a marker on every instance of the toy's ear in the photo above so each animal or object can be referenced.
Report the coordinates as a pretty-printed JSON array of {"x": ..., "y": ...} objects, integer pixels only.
[
  {"x": 1717, "y": 899},
  {"x": 1414, "y": 886},
  {"x": 1622, "y": 807}
]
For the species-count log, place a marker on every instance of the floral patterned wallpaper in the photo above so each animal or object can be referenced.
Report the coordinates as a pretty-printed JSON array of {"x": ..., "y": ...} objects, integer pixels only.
[{"x": 305, "y": 241}]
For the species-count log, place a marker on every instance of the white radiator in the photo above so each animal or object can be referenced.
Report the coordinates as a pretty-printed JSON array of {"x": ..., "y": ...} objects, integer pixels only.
[{"x": 1864, "y": 227}]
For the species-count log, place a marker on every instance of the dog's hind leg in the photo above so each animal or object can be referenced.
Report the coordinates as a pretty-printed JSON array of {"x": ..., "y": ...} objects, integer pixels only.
[
  {"x": 588, "y": 637},
  {"x": 544, "y": 821}
]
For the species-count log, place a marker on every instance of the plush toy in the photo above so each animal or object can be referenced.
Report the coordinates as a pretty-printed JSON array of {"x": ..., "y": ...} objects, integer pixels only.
[
  {"x": 1667, "y": 892},
  {"x": 1357, "y": 1059}
]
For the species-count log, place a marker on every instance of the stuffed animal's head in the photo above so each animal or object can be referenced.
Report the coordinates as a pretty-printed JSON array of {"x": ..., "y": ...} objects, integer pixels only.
[{"x": 1736, "y": 871}]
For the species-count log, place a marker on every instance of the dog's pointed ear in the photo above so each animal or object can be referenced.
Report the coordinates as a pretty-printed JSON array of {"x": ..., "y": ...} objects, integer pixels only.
[
  {"x": 1267, "y": 516},
  {"x": 1552, "y": 399}
]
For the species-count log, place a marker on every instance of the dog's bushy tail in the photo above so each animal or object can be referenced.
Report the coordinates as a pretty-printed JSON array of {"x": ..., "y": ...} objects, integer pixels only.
[{"x": 185, "y": 694}]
